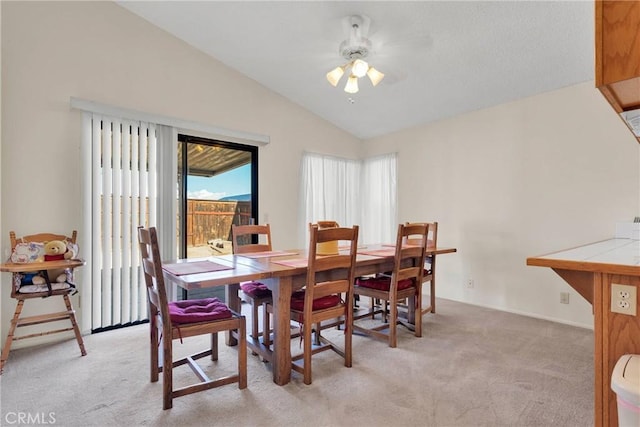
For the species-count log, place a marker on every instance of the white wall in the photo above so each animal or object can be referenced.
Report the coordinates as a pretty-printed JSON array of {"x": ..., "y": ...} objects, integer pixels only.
[
  {"x": 521, "y": 179},
  {"x": 98, "y": 51}
]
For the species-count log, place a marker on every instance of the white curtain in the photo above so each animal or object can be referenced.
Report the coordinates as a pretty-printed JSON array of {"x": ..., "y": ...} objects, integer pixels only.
[
  {"x": 349, "y": 192},
  {"x": 379, "y": 217},
  {"x": 121, "y": 192}
]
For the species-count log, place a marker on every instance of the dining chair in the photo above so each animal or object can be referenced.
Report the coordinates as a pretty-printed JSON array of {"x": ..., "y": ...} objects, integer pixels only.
[
  {"x": 429, "y": 274},
  {"x": 246, "y": 239},
  {"x": 429, "y": 270},
  {"x": 29, "y": 250},
  {"x": 329, "y": 277},
  {"x": 182, "y": 319},
  {"x": 404, "y": 283}
]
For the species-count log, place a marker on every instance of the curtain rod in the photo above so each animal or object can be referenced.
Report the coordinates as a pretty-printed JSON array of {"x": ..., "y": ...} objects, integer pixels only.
[{"x": 180, "y": 124}]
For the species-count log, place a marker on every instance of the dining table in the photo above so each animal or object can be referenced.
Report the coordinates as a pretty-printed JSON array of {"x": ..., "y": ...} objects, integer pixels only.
[{"x": 283, "y": 272}]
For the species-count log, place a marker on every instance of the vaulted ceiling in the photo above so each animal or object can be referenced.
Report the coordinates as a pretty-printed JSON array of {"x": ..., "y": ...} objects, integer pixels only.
[{"x": 440, "y": 58}]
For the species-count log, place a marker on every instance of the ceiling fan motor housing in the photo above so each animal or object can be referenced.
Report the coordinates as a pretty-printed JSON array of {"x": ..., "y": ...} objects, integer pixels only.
[
  {"x": 356, "y": 46},
  {"x": 359, "y": 50}
]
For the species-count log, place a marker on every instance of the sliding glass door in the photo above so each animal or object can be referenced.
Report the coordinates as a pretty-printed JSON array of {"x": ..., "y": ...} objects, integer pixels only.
[{"x": 217, "y": 187}]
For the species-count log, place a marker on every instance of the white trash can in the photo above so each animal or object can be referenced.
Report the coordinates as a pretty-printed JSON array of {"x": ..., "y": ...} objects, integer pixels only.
[{"x": 625, "y": 382}]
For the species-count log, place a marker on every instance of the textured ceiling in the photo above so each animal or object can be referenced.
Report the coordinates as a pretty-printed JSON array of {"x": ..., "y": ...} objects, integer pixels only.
[{"x": 441, "y": 59}]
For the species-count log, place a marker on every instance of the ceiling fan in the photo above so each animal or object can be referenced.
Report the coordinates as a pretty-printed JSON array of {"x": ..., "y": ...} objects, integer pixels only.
[{"x": 355, "y": 49}]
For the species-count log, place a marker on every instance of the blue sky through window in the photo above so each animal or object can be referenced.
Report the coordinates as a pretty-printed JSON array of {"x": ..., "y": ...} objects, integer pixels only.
[{"x": 233, "y": 183}]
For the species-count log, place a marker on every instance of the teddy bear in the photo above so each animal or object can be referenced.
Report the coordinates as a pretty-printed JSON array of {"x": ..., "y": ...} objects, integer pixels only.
[{"x": 55, "y": 250}]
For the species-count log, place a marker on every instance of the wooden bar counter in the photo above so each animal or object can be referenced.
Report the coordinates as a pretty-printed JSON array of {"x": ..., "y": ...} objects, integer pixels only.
[{"x": 591, "y": 270}]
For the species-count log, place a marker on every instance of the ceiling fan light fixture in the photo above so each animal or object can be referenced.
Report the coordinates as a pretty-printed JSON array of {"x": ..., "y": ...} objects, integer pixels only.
[
  {"x": 352, "y": 84},
  {"x": 335, "y": 75},
  {"x": 355, "y": 49},
  {"x": 359, "y": 68},
  {"x": 375, "y": 76}
]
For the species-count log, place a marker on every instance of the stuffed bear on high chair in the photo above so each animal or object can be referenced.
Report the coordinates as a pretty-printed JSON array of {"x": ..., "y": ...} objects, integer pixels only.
[{"x": 55, "y": 250}]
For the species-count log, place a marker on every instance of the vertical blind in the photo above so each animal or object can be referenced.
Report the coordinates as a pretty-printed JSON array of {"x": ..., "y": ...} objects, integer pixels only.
[{"x": 122, "y": 195}]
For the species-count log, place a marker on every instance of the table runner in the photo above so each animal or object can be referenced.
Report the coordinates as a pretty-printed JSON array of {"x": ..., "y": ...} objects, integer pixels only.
[
  {"x": 379, "y": 252},
  {"x": 293, "y": 262},
  {"x": 195, "y": 267},
  {"x": 267, "y": 254}
]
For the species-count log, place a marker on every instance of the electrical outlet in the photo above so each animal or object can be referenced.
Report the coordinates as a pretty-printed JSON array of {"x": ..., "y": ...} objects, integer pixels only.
[
  {"x": 469, "y": 283},
  {"x": 564, "y": 297},
  {"x": 623, "y": 299}
]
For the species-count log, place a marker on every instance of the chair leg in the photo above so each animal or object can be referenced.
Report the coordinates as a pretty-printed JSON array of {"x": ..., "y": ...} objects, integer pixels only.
[
  {"x": 393, "y": 319},
  {"x": 266, "y": 326},
  {"x": 12, "y": 329},
  {"x": 316, "y": 339},
  {"x": 266, "y": 335},
  {"x": 242, "y": 355},
  {"x": 254, "y": 320},
  {"x": 74, "y": 323},
  {"x": 432, "y": 296},
  {"x": 307, "y": 327},
  {"x": 418, "y": 313},
  {"x": 154, "y": 342},
  {"x": 167, "y": 373},
  {"x": 214, "y": 345},
  {"x": 348, "y": 334}
]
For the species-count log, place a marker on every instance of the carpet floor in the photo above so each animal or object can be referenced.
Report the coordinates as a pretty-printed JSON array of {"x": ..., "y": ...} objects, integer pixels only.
[{"x": 472, "y": 367}]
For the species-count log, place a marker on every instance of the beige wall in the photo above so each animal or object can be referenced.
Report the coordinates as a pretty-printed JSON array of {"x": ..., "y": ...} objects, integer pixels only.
[
  {"x": 98, "y": 51},
  {"x": 521, "y": 179}
]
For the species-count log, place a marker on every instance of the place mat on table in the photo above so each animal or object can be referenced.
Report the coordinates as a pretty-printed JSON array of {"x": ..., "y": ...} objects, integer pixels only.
[
  {"x": 195, "y": 267},
  {"x": 293, "y": 262},
  {"x": 429, "y": 244},
  {"x": 379, "y": 252},
  {"x": 267, "y": 254}
]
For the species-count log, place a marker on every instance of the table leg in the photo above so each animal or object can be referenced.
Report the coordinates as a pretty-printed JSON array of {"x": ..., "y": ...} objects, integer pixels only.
[
  {"x": 432, "y": 284},
  {"x": 234, "y": 303},
  {"x": 281, "y": 290},
  {"x": 411, "y": 311}
]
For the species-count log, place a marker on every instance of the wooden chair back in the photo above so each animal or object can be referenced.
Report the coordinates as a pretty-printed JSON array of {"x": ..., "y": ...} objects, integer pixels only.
[
  {"x": 153, "y": 277},
  {"x": 411, "y": 245},
  {"x": 341, "y": 266},
  {"x": 242, "y": 238},
  {"x": 430, "y": 267}
]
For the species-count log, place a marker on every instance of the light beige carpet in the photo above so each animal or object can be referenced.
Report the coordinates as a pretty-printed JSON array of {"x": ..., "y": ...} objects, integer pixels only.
[{"x": 472, "y": 367}]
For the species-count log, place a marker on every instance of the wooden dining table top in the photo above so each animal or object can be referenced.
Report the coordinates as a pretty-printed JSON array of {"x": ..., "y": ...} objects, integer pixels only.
[{"x": 271, "y": 264}]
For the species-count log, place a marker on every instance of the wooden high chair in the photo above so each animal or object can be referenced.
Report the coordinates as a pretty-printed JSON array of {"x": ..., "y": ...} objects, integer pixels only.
[{"x": 18, "y": 270}]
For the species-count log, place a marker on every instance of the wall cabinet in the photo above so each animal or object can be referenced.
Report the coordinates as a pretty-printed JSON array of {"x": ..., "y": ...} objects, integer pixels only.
[{"x": 618, "y": 58}]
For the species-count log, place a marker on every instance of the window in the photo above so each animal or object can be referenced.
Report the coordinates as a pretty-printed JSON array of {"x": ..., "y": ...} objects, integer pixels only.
[
  {"x": 218, "y": 187},
  {"x": 350, "y": 192}
]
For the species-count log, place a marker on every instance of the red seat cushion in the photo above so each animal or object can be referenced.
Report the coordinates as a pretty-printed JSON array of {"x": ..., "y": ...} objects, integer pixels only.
[
  {"x": 297, "y": 301},
  {"x": 382, "y": 283},
  {"x": 255, "y": 289},
  {"x": 198, "y": 310}
]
